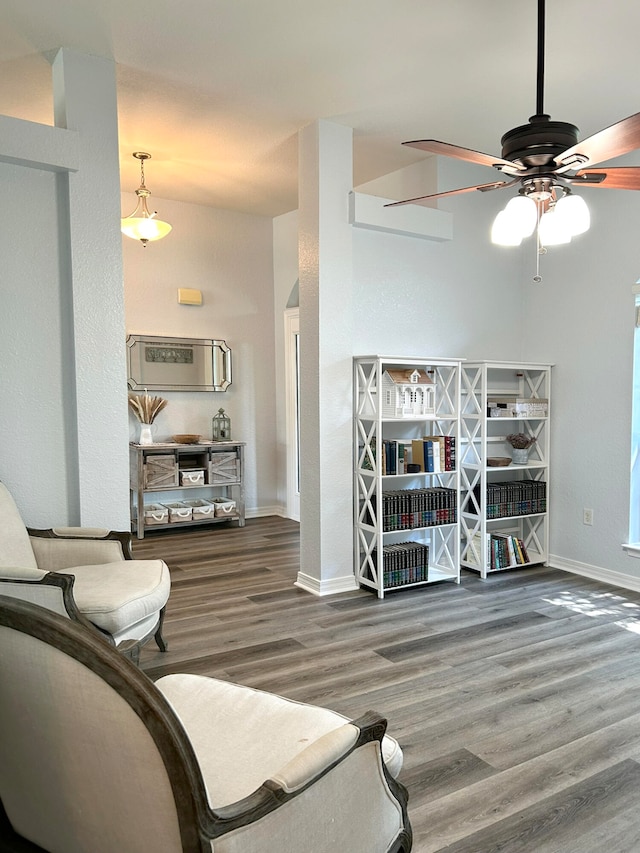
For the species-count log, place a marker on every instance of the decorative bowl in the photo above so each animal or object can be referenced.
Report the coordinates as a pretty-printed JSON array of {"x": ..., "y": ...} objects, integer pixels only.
[
  {"x": 498, "y": 461},
  {"x": 187, "y": 439}
]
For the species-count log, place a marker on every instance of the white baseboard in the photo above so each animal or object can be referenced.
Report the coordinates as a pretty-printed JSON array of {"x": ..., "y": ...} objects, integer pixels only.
[
  {"x": 263, "y": 511},
  {"x": 347, "y": 583},
  {"x": 596, "y": 573}
]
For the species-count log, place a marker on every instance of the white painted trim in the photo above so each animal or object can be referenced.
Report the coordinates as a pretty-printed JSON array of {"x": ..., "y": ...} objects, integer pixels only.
[
  {"x": 333, "y": 586},
  {"x": 410, "y": 220},
  {"x": 39, "y": 146},
  {"x": 596, "y": 573},
  {"x": 262, "y": 511},
  {"x": 291, "y": 329},
  {"x": 633, "y": 550}
]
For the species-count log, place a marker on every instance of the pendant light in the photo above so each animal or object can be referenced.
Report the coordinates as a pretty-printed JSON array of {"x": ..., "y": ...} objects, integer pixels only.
[{"x": 142, "y": 224}]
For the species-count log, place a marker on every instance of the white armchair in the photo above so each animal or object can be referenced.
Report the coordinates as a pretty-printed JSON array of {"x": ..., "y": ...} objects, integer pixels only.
[
  {"x": 95, "y": 757},
  {"x": 87, "y": 574}
]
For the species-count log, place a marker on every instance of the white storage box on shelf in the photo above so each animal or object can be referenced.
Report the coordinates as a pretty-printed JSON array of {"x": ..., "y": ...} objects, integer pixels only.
[
  {"x": 201, "y": 509},
  {"x": 155, "y": 514},
  {"x": 224, "y": 507},
  {"x": 517, "y": 407},
  {"x": 192, "y": 477},
  {"x": 179, "y": 512}
]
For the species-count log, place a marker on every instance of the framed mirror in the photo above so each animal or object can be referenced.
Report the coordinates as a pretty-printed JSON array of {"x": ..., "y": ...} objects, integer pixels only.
[{"x": 177, "y": 364}]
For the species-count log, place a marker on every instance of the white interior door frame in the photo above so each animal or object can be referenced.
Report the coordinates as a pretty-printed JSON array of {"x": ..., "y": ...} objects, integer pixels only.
[{"x": 292, "y": 393}]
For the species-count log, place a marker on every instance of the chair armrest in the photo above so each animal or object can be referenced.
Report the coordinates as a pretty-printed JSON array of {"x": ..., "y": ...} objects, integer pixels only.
[
  {"x": 317, "y": 758},
  {"x": 66, "y": 547},
  {"x": 308, "y": 768},
  {"x": 47, "y": 589}
]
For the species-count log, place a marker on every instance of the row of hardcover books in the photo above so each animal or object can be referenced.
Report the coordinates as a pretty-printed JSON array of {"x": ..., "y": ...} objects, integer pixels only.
[
  {"x": 404, "y": 563},
  {"x": 405, "y": 509},
  {"x": 516, "y": 497},
  {"x": 434, "y": 454},
  {"x": 505, "y": 551}
]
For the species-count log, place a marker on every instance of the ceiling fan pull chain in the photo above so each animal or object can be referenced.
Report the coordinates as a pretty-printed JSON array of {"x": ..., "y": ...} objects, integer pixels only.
[{"x": 540, "y": 249}]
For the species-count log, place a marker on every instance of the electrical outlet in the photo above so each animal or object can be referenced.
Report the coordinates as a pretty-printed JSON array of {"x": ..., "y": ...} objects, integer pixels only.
[{"x": 587, "y": 516}]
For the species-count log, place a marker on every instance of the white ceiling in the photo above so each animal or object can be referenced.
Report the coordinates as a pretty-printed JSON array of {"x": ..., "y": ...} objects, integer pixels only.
[{"x": 216, "y": 90}]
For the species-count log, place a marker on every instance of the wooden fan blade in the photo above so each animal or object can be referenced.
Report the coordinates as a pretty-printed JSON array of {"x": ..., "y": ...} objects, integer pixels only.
[
  {"x": 481, "y": 187},
  {"x": 467, "y": 154},
  {"x": 614, "y": 141},
  {"x": 617, "y": 178}
]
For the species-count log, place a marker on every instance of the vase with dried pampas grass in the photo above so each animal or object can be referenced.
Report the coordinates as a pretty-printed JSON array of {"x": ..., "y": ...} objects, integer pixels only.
[{"x": 146, "y": 408}]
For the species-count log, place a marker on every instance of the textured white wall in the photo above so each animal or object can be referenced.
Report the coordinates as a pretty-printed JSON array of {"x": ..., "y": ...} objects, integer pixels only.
[
  {"x": 36, "y": 398},
  {"x": 229, "y": 257},
  {"x": 62, "y": 400},
  {"x": 581, "y": 317},
  {"x": 285, "y": 279},
  {"x": 326, "y": 325},
  {"x": 85, "y": 101}
]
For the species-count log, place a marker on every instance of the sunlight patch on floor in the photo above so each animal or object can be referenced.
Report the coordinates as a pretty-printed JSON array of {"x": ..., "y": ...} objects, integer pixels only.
[{"x": 601, "y": 604}]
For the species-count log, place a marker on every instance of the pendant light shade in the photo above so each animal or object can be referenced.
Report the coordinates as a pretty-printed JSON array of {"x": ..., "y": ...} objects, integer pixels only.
[
  {"x": 522, "y": 210},
  {"x": 553, "y": 229},
  {"x": 574, "y": 212},
  {"x": 504, "y": 231},
  {"x": 142, "y": 223}
]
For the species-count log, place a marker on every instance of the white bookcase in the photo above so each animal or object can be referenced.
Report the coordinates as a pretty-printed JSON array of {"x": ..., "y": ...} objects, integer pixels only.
[
  {"x": 504, "y": 515},
  {"x": 406, "y": 529}
]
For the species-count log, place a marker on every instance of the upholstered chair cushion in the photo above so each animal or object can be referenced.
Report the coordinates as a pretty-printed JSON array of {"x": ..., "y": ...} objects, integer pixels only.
[
  {"x": 64, "y": 551},
  {"x": 124, "y": 598},
  {"x": 116, "y": 595},
  {"x": 274, "y": 731}
]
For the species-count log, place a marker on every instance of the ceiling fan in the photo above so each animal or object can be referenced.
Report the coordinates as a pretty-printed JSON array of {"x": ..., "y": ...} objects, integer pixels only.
[{"x": 545, "y": 157}]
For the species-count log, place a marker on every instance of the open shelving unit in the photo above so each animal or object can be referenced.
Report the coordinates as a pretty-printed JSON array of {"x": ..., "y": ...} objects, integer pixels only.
[
  {"x": 406, "y": 529},
  {"x": 504, "y": 515},
  {"x": 163, "y": 472}
]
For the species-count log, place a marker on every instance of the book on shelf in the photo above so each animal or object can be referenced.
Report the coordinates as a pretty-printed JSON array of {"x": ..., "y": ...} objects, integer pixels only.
[
  {"x": 435, "y": 454},
  {"x": 515, "y": 497},
  {"x": 368, "y": 456},
  {"x": 403, "y": 563},
  {"x": 396, "y": 454},
  {"x": 407, "y": 509},
  {"x": 505, "y": 551}
]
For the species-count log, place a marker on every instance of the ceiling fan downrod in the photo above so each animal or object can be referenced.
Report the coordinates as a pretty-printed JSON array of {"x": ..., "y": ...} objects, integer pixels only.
[{"x": 540, "y": 72}]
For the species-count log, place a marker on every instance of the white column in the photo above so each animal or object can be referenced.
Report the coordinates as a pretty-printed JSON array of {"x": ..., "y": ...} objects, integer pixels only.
[
  {"x": 85, "y": 101},
  {"x": 325, "y": 257}
]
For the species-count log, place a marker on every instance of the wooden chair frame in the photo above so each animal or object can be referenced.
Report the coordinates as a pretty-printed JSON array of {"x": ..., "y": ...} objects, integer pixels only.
[{"x": 199, "y": 824}]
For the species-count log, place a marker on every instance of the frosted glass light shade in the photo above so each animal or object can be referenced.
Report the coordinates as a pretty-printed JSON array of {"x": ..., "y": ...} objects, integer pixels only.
[
  {"x": 142, "y": 223},
  {"x": 575, "y": 214},
  {"x": 504, "y": 232},
  {"x": 553, "y": 229},
  {"x": 524, "y": 214},
  {"x": 145, "y": 228}
]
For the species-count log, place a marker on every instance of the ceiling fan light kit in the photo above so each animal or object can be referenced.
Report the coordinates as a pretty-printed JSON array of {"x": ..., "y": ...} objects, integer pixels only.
[
  {"x": 558, "y": 218},
  {"x": 142, "y": 223},
  {"x": 546, "y": 159}
]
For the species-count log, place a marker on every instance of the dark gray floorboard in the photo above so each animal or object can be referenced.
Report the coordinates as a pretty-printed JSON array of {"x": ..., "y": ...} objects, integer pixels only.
[{"x": 516, "y": 699}]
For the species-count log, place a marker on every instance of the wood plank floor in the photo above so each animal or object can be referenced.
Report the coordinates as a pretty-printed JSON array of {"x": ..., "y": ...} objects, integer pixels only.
[{"x": 516, "y": 700}]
